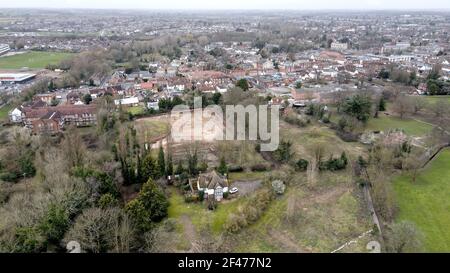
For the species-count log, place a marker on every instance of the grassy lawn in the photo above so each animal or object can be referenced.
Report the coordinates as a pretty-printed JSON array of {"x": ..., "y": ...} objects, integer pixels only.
[
  {"x": 151, "y": 128},
  {"x": 33, "y": 59},
  {"x": 319, "y": 225},
  {"x": 427, "y": 203},
  {"x": 410, "y": 126},
  {"x": 199, "y": 214},
  {"x": 305, "y": 139},
  {"x": 434, "y": 99},
  {"x": 135, "y": 110},
  {"x": 4, "y": 112}
]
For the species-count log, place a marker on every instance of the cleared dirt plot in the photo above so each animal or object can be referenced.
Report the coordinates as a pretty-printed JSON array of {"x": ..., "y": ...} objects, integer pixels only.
[
  {"x": 152, "y": 129},
  {"x": 198, "y": 125}
]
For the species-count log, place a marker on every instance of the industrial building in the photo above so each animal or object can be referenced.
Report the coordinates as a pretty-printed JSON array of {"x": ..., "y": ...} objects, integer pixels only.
[
  {"x": 4, "y": 49},
  {"x": 16, "y": 77}
]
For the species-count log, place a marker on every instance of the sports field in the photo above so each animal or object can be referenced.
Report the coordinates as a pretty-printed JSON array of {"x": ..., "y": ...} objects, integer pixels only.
[{"x": 33, "y": 59}]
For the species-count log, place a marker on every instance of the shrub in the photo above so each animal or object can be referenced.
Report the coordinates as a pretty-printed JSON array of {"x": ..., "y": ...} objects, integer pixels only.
[
  {"x": 27, "y": 240},
  {"x": 55, "y": 223},
  {"x": 222, "y": 168},
  {"x": 278, "y": 187},
  {"x": 301, "y": 165},
  {"x": 347, "y": 136},
  {"x": 226, "y": 195},
  {"x": 203, "y": 167},
  {"x": 107, "y": 200},
  {"x": 284, "y": 152},
  {"x": 186, "y": 187},
  {"x": 212, "y": 204},
  {"x": 334, "y": 164},
  {"x": 258, "y": 147},
  {"x": 292, "y": 119},
  {"x": 259, "y": 167},
  {"x": 250, "y": 212},
  {"x": 201, "y": 196},
  {"x": 9, "y": 177},
  {"x": 235, "y": 169},
  {"x": 189, "y": 198}
]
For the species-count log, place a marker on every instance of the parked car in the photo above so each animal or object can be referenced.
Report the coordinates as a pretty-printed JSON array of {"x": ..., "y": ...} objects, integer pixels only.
[{"x": 234, "y": 190}]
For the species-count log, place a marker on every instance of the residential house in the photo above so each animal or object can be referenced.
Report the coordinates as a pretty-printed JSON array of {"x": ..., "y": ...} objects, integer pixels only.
[
  {"x": 53, "y": 119},
  {"x": 212, "y": 184},
  {"x": 46, "y": 97},
  {"x": 15, "y": 115},
  {"x": 133, "y": 101},
  {"x": 153, "y": 104}
]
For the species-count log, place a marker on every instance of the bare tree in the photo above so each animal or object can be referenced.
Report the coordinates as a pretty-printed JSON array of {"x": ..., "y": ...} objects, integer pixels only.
[
  {"x": 440, "y": 109},
  {"x": 402, "y": 106},
  {"x": 418, "y": 104},
  {"x": 403, "y": 237},
  {"x": 413, "y": 165}
]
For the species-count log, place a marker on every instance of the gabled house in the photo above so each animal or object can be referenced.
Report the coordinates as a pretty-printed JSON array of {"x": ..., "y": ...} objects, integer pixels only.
[
  {"x": 212, "y": 184},
  {"x": 53, "y": 119},
  {"x": 15, "y": 115}
]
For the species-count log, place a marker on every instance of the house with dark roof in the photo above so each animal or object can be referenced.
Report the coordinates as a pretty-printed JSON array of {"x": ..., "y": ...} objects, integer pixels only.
[{"x": 212, "y": 184}]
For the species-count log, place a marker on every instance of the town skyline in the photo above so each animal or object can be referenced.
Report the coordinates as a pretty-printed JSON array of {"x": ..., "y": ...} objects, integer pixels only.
[{"x": 178, "y": 5}]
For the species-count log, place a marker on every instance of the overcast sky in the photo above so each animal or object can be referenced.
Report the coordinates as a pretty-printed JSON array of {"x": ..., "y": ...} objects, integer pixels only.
[{"x": 231, "y": 4}]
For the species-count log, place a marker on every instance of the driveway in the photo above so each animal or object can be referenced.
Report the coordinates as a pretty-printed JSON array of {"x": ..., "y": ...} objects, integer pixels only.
[{"x": 246, "y": 187}]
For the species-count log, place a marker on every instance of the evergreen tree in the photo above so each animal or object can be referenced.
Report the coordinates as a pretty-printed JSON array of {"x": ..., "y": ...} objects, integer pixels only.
[
  {"x": 222, "y": 169},
  {"x": 382, "y": 105},
  {"x": 180, "y": 168},
  {"x": 139, "y": 215},
  {"x": 148, "y": 168},
  {"x": 192, "y": 163},
  {"x": 243, "y": 84},
  {"x": 344, "y": 159},
  {"x": 154, "y": 200},
  {"x": 161, "y": 162},
  {"x": 169, "y": 170}
]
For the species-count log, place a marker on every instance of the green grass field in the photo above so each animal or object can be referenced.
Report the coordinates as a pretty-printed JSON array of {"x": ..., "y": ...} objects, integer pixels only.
[
  {"x": 199, "y": 214},
  {"x": 4, "y": 112},
  {"x": 33, "y": 59},
  {"x": 136, "y": 110},
  {"x": 410, "y": 126},
  {"x": 426, "y": 202},
  {"x": 434, "y": 99}
]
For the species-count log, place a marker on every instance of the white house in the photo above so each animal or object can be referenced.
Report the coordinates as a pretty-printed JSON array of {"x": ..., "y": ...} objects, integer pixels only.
[
  {"x": 15, "y": 115},
  {"x": 221, "y": 89},
  {"x": 153, "y": 105},
  {"x": 339, "y": 46},
  {"x": 133, "y": 101}
]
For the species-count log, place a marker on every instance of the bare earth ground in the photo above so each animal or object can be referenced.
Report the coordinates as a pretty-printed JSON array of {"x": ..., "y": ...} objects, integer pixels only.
[{"x": 247, "y": 187}]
